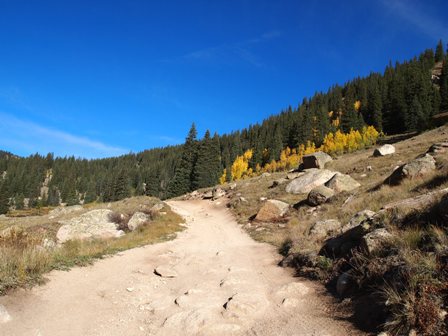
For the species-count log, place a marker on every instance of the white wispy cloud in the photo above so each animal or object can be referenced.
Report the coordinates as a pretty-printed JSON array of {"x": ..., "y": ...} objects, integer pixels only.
[
  {"x": 27, "y": 137},
  {"x": 229, "y": 52},
  {"x": 416, "y": 15}
]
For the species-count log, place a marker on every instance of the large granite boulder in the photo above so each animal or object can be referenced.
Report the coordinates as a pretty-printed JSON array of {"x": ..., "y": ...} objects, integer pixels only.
[
  {"x": 438, "y": 148},
  {"x": 319, "y": 195},
  {"x": 384, "y": 150},
  {"x": 92, "y": 224},
  {"x": 419, "y": 167},
  {"x": 375, "y": 240},
  {"x": 311, "y": 179},
  {"x": 137, "y": 220},
  {"x": 342, "y": 182},
  {"x": 316, "y": 160},
  {"x": 325, "y": 228},
  {"x": 272, "y": 210},
  {"x": 358, "y": 218}
]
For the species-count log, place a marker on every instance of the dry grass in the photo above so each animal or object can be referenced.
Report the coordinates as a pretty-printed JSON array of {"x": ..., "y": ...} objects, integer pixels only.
[
  {"x": 24, "y": 259},
  {"x": 408, "y": 272}
]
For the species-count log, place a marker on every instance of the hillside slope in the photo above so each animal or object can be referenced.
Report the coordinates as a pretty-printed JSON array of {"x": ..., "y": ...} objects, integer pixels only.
[{"x": 407, "y": 270}]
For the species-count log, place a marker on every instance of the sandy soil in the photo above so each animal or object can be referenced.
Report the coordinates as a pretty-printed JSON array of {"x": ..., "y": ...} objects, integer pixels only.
[{"x": 223, "y": 283}]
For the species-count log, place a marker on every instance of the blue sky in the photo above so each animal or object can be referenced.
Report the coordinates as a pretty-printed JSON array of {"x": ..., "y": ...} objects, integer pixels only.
[{"x": 102, "y": 78}]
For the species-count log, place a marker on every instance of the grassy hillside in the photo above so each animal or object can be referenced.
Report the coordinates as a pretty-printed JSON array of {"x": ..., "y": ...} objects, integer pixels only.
[{"x": 401, "y": 286}]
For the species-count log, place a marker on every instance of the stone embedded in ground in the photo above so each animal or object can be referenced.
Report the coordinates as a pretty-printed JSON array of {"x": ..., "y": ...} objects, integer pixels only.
[
  {"x": 384, "y": 150},
  {"x": 208, "y": 195},
  {"x": 290, "y": 302},
  {"x": 60, "y": 211},
  {"x": 293, "y": 175},
  {"x": 342, "y": 182},
  {"x": 325, "y": 228},
  {"x": 357, "y": 219},
  {"x": 191, "y": 320},
  {"x": 311, "y": 179},
  {"x": 92, "y": 224},
  {"x": 137, "y": 220},
  {"x": 344, "y": 284},
  {"x": 165, "y": 271},
  {"x": 316, "y": 160},
  {"x": 4, "y": 315},
  {"x": 375, "y": 240},
  {"x": 272, "y": 210},
  {"x": 244, "y": 305},
  {"x": 157, "y": 207},
  {"x": 222, "y": 329},
  {"x": 218, "y": 193},
  {"x": 278, "y": 182},
  {"x": 319, "y": 195},
  {"x": 438, "y": 148},
  {"x": 293, "y": 288}
]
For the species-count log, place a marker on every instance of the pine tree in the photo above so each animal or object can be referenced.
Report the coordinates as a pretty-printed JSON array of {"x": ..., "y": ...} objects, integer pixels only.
[
  {"x": 374, "y": 109},
  {"x": 439, "y": 56},
  {"x": 120, "y": 186},
  {"x": 414, "y": 116},
  {"x": 4, "y": 200},
  {"x": 182, "y": 181},
  {"x": 444, "y": 87},
  {"x": 53, "y": 196},
  {"x": 207, "y": 169}
]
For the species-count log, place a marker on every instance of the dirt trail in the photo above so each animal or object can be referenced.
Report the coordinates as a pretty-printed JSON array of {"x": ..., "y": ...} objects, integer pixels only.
[{"x": 226, "y": 284}]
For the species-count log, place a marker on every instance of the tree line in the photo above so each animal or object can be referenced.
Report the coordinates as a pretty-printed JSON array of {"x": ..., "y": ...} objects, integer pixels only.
[{"x": 403, "y": 98}]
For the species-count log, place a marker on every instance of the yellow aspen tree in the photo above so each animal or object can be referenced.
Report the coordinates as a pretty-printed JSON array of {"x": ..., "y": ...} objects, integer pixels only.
[
  {"x": 240, "y": 165},
  {"x": 223, "y": 177}
]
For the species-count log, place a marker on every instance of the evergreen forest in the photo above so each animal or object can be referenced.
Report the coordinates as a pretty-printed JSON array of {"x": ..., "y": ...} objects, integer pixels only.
[{"x": 404, "y": 98}]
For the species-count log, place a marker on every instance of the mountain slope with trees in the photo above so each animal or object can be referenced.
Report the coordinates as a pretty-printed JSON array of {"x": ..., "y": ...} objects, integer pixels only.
[{"x": 403, "y": 98}]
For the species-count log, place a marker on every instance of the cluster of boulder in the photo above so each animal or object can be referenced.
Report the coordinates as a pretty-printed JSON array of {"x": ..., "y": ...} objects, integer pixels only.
[
  {"x": 321, "y": 184},
  {"x": 312, "y": 178},
  {"x": 102, "y": 224},
  {"x": 419, "y": 167},
  {"x": 212, "y": 194}
]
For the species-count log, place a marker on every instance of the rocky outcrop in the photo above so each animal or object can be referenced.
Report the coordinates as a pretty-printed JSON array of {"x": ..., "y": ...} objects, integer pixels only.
[
  {"x": 311, "y": 179},
  {"x": 342, "y": 182},
  {"x": 418, "y": 203},
  {"x": 438, "y": 148},
  {"x": 342, "y": 245},
  {"x": 320, "y": 195},
  {"x": 218, "y": 193},
  {"x": 419, "y": 167},
  {"x": 272, "y": 210},
  {"x": 93, "y": 224},
  {"x": 373, "y": 241},
  {"x": 325, "y": 228},
  {"x": 137, "y": 220},
  {"x": 357, "y": 219},
  {"x": 60, "y": 211},
  {"x": 384, "y": 150},
  {"x": 316, "y": 160}
]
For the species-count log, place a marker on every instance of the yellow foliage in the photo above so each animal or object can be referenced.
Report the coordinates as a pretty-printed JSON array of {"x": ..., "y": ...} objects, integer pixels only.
[
  {"x": 336, "y": 122},
  {"x": 223, "y": 177},
  {"x": 336, "y": 144},
  {"x": 357, "y": 105},
  {"x": 240, "y": 167}
]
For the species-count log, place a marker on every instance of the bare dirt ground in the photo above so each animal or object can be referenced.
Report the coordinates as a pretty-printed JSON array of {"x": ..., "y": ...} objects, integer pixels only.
[{"x": 223, "y": 283}]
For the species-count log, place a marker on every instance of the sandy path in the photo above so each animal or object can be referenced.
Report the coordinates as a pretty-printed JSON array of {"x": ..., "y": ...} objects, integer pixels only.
[{"x": 226, "y": 284}]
